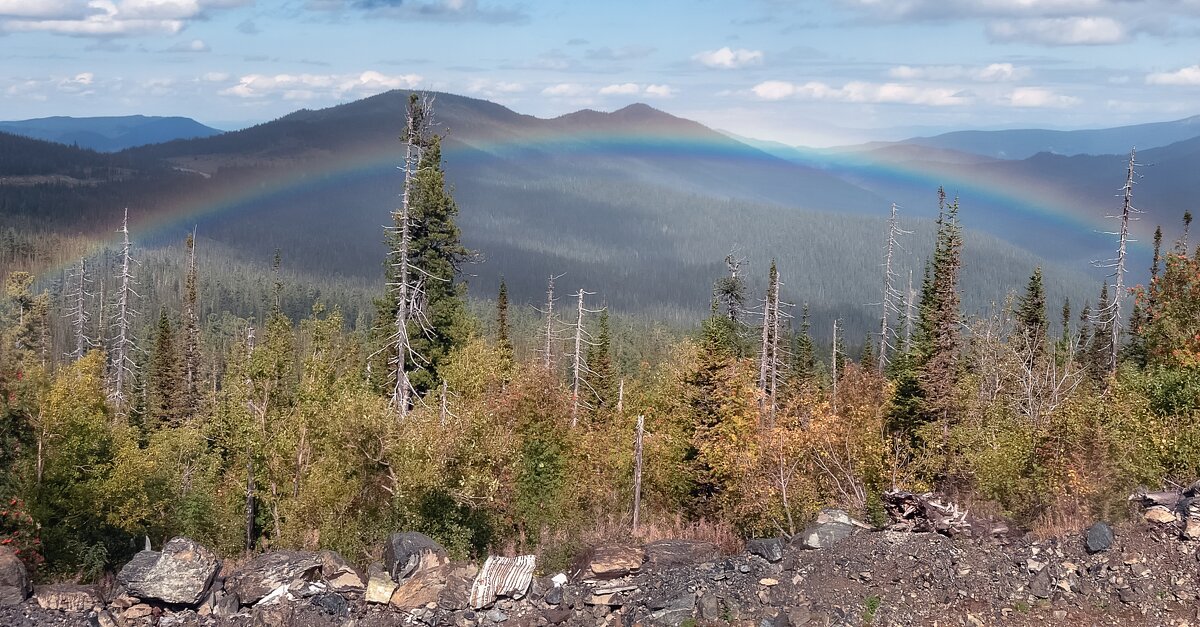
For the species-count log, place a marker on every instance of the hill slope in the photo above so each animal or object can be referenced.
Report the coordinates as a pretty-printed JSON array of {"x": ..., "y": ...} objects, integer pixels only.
[{"x": 109, "y": 134}]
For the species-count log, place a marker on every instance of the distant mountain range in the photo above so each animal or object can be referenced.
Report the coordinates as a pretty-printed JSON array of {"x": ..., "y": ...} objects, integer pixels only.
[
  {"x": 637, "y": 205},
  {"x": 109, "y": 134}
]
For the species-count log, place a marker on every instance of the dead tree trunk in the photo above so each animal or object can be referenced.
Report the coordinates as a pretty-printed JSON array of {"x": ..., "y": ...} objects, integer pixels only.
[
  {"x": 123, "y": 344},
  {"x": 579, "y": 366},
  {"x": 549, "y": 331},
  {"x": 834, "y": 367},
  {"x": 637, "y": 471},
  {"x": 1110, "y": 316},
  {"x": 890, "y": 295},
  {"x": 77, "y": 309}
]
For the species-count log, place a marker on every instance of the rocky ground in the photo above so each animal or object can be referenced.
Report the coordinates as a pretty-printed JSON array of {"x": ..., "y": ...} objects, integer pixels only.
[{"x": 1143, "y": 573}]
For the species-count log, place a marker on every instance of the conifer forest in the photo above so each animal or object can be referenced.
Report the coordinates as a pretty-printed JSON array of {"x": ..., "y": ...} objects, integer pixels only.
[{"x": 287, "y": 416}]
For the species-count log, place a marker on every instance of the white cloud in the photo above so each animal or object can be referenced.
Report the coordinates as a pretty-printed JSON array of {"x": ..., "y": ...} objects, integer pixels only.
[
  {"x": 490, "y": 87},
  {"x": 215, "y": 77},
  {"x": 311, "y": 86},
  {"x": 195, "y": 45},
  {"x": 659, "y": 91},
  {"x": 428, "y": 10},
  {"x": 106, "y": 18},
  {"x": 565, "y": 90},
  {"x": 1189, "y": 75},
  {"x": 623, "y": 89},
  {"x": 1060, "y": 31},
  {"x": 728, "y": 59},
  {"x": 862, "y": 92},
  {"x": 1040, "y": 97},
  {"x": 995, "y": 72}
]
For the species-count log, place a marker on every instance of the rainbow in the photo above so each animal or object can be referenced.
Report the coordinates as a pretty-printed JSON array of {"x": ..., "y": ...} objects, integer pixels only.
[{"x": 1021, "y": 200}]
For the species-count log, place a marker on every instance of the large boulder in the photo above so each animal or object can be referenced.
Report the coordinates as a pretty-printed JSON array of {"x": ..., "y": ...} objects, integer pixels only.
[
  {"x": 665, "y": 554},
  {"x": 180, "y": 574},
  {"x": 420, "y": 589},
  {"x": 260, "y": 576},
  {"x": 339, "y": 574},
  {"x": 409, "y": 551},
  {"x": 770, "y": 549},
  {"x": 379, "y": 584},
  {"x": 15, "y": 586}
]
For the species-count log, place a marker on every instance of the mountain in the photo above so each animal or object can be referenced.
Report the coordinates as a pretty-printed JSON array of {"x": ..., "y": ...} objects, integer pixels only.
[
  {"x": 636, "y": 205},
  {"x": 109, "y": 134},
  {"x": 1025, "y": 143}
]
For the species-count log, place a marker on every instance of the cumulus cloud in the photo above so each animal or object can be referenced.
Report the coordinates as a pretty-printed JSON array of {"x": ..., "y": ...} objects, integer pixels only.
[
  {"x": 861, "y": 92},
  {"x": 623, "y": 89},
  {"x": 1189, "y": 75},
  {"x": 493, "y": 89},
  {"x": 992, "y": 73},
  {"x": 106, "y": 18},
  {"x": 727, "y": 58},
  {"x": 312, "y": 86},
  {"x": 429, "y": 10},
  {"x": 1060, "y": 31},
  {"x": 80, "y": 84},
  {"x": 1040, "y": 97},
  {"x": 659, "y": 91}
]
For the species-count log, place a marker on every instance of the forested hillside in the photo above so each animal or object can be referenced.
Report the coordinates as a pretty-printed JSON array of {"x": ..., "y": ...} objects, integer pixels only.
[{"x": 154, "y": 395}]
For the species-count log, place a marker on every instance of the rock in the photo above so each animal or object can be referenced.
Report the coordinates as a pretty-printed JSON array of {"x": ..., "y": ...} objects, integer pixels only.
[
  {"x": 665, "y": 554},
  {"x": 409, "y": 551},
  {"x": 15, "y": 585},
  {"x": 1160, "y": 515},
  {"x": 226, "y": 604},
  {"x": 331, "y": 603},
  {"x": 340, "y": 575},
  {"x": 1034, "y": 566},
  {"x": 67, "y": 597},
  {"x": 379, "y": 585},
  {"x": 1041, "y": 585},
  {"x": 420, "y": 589},
  {"x": 1191, "y": 530},
  {"x": 272, "y": 616},
  {"x": 824, "y": 535},
  {"x": 554, "y": 595},
  {"x": 610, "y": 562},
  {"x": 134, "y": 612},
  {"x": 767, "y": 581},
  {"x": 557, "y": 616},
  {"x": 829, "y": 515},
  {"x": 257, "y": 578},
  {"x": 496, "y": 616},
  {"x": 1099, "y": 538},
  {"x": 502, "y": 576},
  {"x": 770, "y": 549},
  {"x": 103, "y": 618},
  {"x": 180, "y": 574}
]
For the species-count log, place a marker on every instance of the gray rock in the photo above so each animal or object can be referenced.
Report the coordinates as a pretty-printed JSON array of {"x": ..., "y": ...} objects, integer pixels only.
[
  {"x": 554, "y": 595},
  {"x": 226, "y": 604},
  {"x": 823, "y": 535},
  {"x": 1099, "y": 538},
  {"x": 665, "y": 554},
  {"x": 340, "y": 574},
  {"x": 407, "y": 551},
  {"x": 15, "y": 585},
  {"x": 258, "y": 577},
  {"x": 180, "y": 574},
  {"x": 102, "y": 619},
  {"x": 332, "y": 603},
  {"x": 770, "y": 549}
]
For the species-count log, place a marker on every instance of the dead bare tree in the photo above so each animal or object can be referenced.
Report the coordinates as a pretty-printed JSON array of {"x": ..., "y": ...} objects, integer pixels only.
[
  {"x": 579, "y": 366},
  {"x": 124, "y": 346},
  {"x": 77, "y": 312},
  {"x": 891, "y": 296},
  {"x": 833, "y": 363},
  {"x": 773, "y": 356},
  {"x": 908, "y": 313},
  {"x": 550, "y": 330},
  {"x": 1110, "y": 315},
  {"x": 637, "y": 471},
  {"x": 191, "y": 331}
]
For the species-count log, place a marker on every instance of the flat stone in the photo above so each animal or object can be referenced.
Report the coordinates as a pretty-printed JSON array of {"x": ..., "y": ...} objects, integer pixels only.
[
  {"x": 180, "y": 574},
  {"x": 665, "y": 554},
  {"x": 1160, "y": 515},
  {"x": 824, "y": 535},
  {"x": 1191, "y": 531},
  {"x": 15, "y": 585},
  {"x": 339, "y": 574},
  {"x": 418, "y": 590},
  {"x": 610, "y": 562},
  {"x": 379, "y": 585},
  {"x": 134, "y": 612},
  {"x": 67, "y": 597}
]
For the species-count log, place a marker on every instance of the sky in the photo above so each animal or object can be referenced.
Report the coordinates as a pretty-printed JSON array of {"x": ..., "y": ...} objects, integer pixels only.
[{"x": 803, "y": 72}]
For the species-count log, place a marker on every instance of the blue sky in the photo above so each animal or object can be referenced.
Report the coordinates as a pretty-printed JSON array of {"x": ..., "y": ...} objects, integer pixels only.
[{"x": 816, "y": 72}]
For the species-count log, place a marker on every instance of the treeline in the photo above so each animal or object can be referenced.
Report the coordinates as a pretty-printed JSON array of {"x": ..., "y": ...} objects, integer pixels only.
[{"x": 492, "y": 431}]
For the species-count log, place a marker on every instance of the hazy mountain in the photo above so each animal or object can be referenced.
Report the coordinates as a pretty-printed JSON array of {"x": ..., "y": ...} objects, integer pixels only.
[
  {"x": 1024, "y": 143},
  {"x": 109, "y": 134},
  {"x": 636, "y": 205}
]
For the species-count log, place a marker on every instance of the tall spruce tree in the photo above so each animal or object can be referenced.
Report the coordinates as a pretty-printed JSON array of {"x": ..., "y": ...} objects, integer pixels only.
[
  {"x": 1031, "y": 317},
  {"x": 503, "y": 330},
  {"x": 165, "y": 391},
  {"x": 804, "y": 356},
  {"x": 601, "y": 379},
  {"x": 941, "y": 319}
]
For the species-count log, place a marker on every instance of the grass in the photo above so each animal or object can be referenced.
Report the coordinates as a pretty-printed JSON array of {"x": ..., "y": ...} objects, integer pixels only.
[{"x": 872, "y": 606}]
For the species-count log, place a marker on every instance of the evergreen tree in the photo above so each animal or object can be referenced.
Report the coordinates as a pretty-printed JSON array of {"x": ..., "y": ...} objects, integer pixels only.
[
  {"x": 804, "y": 357},
  {"x": 191, "y": 336},
  {"x": 601, "y": 377},
  {"x": 1099, "y": 346},
  {"x": 503, "y": 331},
  {"x": 1031, "y": 316},
  {"x": 166, "y": 393},
  {"x": 939, "y": 372}
]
